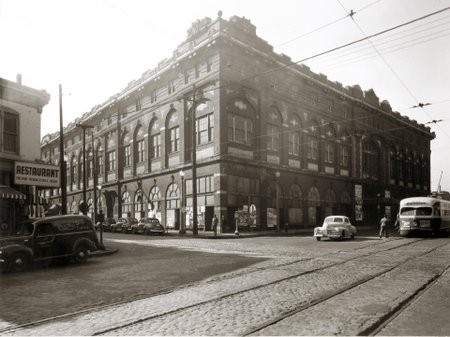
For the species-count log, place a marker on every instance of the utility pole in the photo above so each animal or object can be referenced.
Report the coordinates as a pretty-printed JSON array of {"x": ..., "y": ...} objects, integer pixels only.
[
  {"x": 85, "y": 207},
  {"x": 62, "y": 160},
  {"x": 119, "y": 188},
  {"x": 194, "y": 165}
]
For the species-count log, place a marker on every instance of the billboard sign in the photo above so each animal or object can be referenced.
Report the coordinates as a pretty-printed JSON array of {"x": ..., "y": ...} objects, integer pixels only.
[{"x": 36, "y": 174}]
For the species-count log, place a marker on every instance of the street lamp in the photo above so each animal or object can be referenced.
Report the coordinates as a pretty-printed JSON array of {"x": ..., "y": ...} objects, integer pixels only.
[
  {"x": 62, "y": 161},
  {"x": 84, "y": 207},
  {"x": 182, "y": 206},
  {"x": 101, "y": 218},
  {"x": 277, "y": 176}
]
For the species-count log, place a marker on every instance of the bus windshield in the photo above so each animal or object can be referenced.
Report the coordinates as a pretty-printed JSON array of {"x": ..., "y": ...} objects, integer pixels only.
[{"x": 416, "y": 211}]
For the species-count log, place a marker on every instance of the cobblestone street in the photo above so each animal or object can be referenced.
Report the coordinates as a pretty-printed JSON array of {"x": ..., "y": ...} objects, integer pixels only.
[{"x": 302, "y": 293}]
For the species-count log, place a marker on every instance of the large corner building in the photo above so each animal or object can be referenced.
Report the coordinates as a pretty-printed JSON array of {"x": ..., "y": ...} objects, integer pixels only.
[{"x": 272, "y": 139}]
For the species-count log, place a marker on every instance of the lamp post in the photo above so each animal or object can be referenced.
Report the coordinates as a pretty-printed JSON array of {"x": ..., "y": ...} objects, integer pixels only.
[
  {"x": 84, "y": 208},
  {"x": 277, "y": 206},
  {"x": 62, "y": 161},
  {"x": 183, "y": 210},
  {"x": 102, "y": 217}
]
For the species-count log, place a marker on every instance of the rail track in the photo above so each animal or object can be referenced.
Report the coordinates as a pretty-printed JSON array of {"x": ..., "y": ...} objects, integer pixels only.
[{"x": 265, "y": 299}]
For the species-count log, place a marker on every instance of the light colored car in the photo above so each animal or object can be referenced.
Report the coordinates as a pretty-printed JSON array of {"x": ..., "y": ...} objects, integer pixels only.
[
  {"x": 148, "y": 226},
  {"x": 335, "y": 227}
]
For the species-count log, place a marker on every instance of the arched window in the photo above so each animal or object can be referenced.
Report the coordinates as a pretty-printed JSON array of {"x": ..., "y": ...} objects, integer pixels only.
[
  {"x": 155, "y": 202},
  {"x": 345, "y": 153},
  {"x": 126, "y": 203},
  {"x": 80, "y": 170},
  {"x": 295, "y": 213},
  {"x": 371, "y": 160},
  {"x": 73, "y": 173},
  {"x": 329, "y": 146},
  {"x": 172, "y": 197},
  {"x": 139, "y": 205},
  {"x": 173, "y": 132},
  {"x": 139, "y": 145},
  {"x": 240, "y": 122},
  {"x": 401, "y": 166},
  {"x": 313, "y": 205},
  {"x": 392, "y": 164},
  {"x": 155, "y": 139},
  {"x": 294, "y": 135},
  {"x": 273, "y": 126}
]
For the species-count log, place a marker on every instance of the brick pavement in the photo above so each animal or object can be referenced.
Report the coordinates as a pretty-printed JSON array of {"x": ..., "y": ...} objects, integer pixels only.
[{"x": 235, "y": 304}]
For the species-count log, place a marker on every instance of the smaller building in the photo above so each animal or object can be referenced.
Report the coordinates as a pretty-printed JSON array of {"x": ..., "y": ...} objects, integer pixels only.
[{"x": 20, "y": 134}]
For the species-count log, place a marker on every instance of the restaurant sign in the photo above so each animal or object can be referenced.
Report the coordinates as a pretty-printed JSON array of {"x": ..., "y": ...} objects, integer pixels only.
[{"x": 36, "y": 174}]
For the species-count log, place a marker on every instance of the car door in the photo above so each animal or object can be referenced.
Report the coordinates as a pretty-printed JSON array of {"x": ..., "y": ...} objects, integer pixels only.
[{"x": 44, "y": 239}]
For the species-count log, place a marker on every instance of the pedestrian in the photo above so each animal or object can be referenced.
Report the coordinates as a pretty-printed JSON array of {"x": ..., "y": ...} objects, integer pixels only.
[
  {"x": 397, "y": 222},
  {"x": 383, "y": 227},
  {"x": 286, "y": 226},
  {"x": 215, "y": 221}
]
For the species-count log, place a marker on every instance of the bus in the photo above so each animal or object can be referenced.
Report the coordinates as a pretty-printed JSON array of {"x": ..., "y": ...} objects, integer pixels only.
[{"x": 424, "y": 215}]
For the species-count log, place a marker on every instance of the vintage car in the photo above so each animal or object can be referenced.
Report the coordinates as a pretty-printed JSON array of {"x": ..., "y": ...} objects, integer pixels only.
[
  {"x": 106, "y": 225},
  {"x": 148, "y": 226},
  {"x": 123, "y": 225},
  {"x": 60, "y": 237},
  {"x": 335, "y": 227}
]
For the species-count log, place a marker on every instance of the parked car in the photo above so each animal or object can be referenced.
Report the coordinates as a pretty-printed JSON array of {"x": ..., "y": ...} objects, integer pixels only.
[
  {"x": 46, "y": 239},
  {"x": 148, "y": 226},
  {"x": 106, "y": 225},
  {"x": 335, "y": 227},
  {"x": 125, "y": 224}
]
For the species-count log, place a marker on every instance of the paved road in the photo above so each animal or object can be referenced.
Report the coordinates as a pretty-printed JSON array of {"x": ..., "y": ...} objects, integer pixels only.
[{"x": 342, "y": 288}]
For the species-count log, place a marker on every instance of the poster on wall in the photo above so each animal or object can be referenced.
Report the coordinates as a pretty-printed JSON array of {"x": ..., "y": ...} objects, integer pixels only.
[
  {"x": 271, "y": 217},
  {"x": 358, "y": 203}
]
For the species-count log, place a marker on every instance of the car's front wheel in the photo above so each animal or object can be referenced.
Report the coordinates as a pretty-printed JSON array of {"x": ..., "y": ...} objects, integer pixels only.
[
  {"x": 81, "y": 254},
  {"x": 19, "y": 262},
  {"x": 352, "y": 236}
]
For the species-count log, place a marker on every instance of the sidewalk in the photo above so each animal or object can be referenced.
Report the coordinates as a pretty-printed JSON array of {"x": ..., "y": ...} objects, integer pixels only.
[{"x": 362, "y": 230}]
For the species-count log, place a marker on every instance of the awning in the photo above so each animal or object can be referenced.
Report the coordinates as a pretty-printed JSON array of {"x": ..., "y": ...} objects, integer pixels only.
[{"x": 7, "y": 192}]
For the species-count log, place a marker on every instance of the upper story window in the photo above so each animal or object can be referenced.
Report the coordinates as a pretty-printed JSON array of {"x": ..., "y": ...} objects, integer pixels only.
[
  {"x": 330, "y": 105},
  {"x": 140, "y": 150},
  {"x": 329, "y": 144},
  {"x": 240, "y": 121},
  {"x": 111, "y": 161},
  {"x": 173, "y": 139},
  {"x": 209, "y": 63},
  {"x": 312, "y": 142},
  {"x": 127, "y": 154},
  {"x": 139, "y": 147},
  {"x": 171, "y": 88},
  {"x": 371, "y": 160},
  {"x": 274, "y": 130},
  {"x": 345, "y": 148},
  {"x": 153, "y": 96},
  {"x": 205, "y": 129},
  {"x": 9, "y": 124},
  {"x": 155, "y": 140},
  {"x": 294, "y": 136}
]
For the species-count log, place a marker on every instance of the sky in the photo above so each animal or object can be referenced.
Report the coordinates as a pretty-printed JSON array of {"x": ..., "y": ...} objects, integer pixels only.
[{"x": 94, "y": 48}]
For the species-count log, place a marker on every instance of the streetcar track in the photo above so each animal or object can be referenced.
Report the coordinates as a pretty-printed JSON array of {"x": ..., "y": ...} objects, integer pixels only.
[
  {"x": 215, "y": 299},
  {"x": 373, "y": 328},
  {"x": 404, "y": 305}
]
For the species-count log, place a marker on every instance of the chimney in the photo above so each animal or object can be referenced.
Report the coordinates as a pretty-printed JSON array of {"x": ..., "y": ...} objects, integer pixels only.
[{"x": 19, "y": 79}]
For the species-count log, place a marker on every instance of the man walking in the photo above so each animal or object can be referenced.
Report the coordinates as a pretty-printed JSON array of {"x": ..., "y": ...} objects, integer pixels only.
[
  {"x": 383, "y": 227},
  {"x": 215, "y": 221}
]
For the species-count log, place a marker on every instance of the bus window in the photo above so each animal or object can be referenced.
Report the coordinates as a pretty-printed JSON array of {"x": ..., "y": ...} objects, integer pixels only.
[
  {"x": 407, "y": 211},
  {"x": 424, "y": 211}
]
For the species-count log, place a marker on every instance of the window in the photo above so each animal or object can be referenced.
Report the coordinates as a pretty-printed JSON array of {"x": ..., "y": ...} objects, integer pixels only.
[
  {"x": 313, "y": 148},
  {"x": 273, "y": 137},
  {"x": 209, "y": 64},
  {"x": 329, "y": 153},
  {"x": 171, "y": 87},
  {"x": 101, "y": 164},
  {"x": 370, "y": 161},
  {"x": 10, "y": 130},
  {"x": 345, "y": 156},
  {"x": 126, "y": 203},
  {"x": 205, "y": 129},
  {"x": 294, "y": 136},
  {"x": 156, "y": 146},
  {"x": 140, "y": 150},
  {"x": 127, "y": 150},
  {"x": 111, "y": 163},
  {"x": 240, "y": 129},
  {"x": 330, "y": 105},
  {"x": 153, "y": 96},
  {"x": 174, "y": 139}
]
